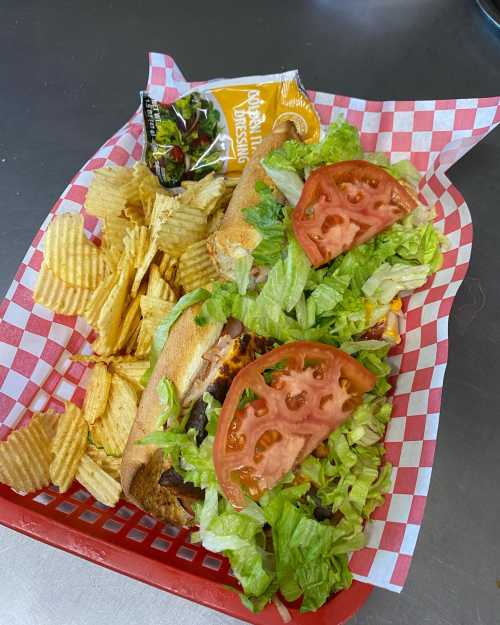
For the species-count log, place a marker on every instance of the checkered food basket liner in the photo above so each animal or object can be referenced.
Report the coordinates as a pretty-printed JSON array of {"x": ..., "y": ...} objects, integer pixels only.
[{"x": 35, "y": 344}]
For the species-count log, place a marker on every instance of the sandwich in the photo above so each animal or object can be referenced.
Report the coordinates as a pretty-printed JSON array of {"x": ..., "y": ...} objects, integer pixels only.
[
  {"x": 263, "y": 418},
  {"x": 196, "y": 359}
]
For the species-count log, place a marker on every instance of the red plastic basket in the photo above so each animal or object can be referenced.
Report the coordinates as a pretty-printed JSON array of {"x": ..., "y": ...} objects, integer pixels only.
[
  {"x": 36, "y": 373},
  {"x": 126, "y": 540}
]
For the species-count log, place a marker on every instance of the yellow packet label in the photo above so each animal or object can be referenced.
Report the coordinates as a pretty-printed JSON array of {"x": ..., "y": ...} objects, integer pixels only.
[{"x": 251, "y": 111}]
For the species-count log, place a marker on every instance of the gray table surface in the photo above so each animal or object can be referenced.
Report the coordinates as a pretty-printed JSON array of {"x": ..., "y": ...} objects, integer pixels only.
[{"x": 69, "y": 77}]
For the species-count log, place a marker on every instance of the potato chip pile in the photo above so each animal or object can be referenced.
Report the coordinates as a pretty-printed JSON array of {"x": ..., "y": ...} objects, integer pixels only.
[
  {"x": 56, "y": 448},
  {"x": 153, "y": 249}
]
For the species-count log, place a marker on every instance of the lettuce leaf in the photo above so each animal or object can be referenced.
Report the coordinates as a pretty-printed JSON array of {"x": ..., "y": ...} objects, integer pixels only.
[
  {"x": 193, "y": 463},
  {"x": 218, "y": 307},
  {"x": 287, "y": 181},
  {"x": 240, "y": 536},
  {"x": 212, "y": 410},
  {"x": 265, "y": 312},
  {"x": 403, "y": 169},
  {"x": 329, "y": 293},
  {"x": 310, "y": 557},
  {"x": 341, "y": 143},
  {"x": 264, "y": 316},
  {"x": 243, "y": 266},
  {"x": 389, "y": 280},
  {"x": 352, "y": 347},
  {"x": 352, "y": 480},
  {"x": 287, "y": 279},
  {"x": 376, "y": 362},
  {"x": 169, "y": 401},
  {"x": 267, "y": 217},
  {"x": 422, "y": 245},
  {"x": 334, "y": 304}
]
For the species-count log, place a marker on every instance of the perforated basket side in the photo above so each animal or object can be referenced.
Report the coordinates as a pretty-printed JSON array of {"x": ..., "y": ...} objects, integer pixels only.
[{"x": 128, "y": 541}]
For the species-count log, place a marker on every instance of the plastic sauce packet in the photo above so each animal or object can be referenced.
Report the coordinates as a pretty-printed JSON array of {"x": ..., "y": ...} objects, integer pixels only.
[{"x": 217, "y": 126}]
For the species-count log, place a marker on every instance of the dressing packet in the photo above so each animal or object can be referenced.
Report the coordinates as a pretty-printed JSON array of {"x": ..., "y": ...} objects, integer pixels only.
[{"x": 217, "y": 126}]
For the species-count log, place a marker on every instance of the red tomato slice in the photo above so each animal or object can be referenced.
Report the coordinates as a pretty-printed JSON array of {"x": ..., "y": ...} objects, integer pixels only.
[
  {"x": 344, "y": 205},
  {"x": 315, "y": 390}
]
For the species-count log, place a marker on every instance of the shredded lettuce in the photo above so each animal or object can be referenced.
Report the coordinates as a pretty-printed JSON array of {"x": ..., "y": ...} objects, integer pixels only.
[
  {"x": 195, "y": 464},
  {"x": 218, "y": 307},
  {"x": 336, "y": 305},
  {"x": 243, "y": 266},
  {"x": 288, "y": 182},
  {"x": 307, "y": 561},
  {"x": 240, "y": 536},
  {"x": 169, "y": 402},
  {"x": 376, "y": 362},
  {"x": 287, "y": 279},
  {"x": 267, "y": 217},
  {"x": 309, "y": 557},
  {"x": 403, "y": 169},
  {"x": 389, "y": 280},
  {"x": 341, "y": 143},
  {"x": 352, "y": 347}
]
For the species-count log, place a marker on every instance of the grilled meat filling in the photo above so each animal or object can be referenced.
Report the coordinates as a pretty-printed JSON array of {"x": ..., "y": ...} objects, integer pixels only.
[
  {"x": 170, "y": 498},
  {"x": 233, "y": 356},
  {"x": 171, "y": 479},
  {"x": 167, "y": 502}
]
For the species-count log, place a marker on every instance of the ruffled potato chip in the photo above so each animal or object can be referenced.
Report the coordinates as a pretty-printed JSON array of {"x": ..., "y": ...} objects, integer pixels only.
[
  {"x": 204, "y": 194},
  {"x": 154, "y": 308},
  {"x": 132, "y": 371},
  {"x": 109, "y": 192},
  {"x": 25, "y": 458},
  {"x": 145, "y": 338},
  {"x": 131, "y": 344},
  {"x": 158, "y": 287},
  {"x": 97, "y": 299},
  {"x": 70, "y": 255},
  {"x": 153, "y": 311},
  {"x": 148, "y": 186},
  {"x": 49, "y": 421},
  {"x": 135, "y": 213},
  {"x": 110, "y": 464},
  {"x": 96, "y": 397},
  {"x": 168, "y": 267},
  {"x": 111, "y": 431},
  {"x": 196, "y": 267},
  {"x": 175, "y": 225},
  {"x": 99, "y": 483},
  {"x": 105, "y": 359},
  {"x": 68, "y": 446},
  {"x": 136, "y": 244},
  {"x": 130, "y": 323},
  {"x": 56, "y": 295},
  {"x": 114, "y": 230},
  {"x": 142, "y": 268},
  {"x": 112, "y": 310}
]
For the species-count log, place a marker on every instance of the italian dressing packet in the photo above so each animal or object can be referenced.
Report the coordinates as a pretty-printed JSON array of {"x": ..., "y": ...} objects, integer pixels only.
[{"x": 217, "y": 126}]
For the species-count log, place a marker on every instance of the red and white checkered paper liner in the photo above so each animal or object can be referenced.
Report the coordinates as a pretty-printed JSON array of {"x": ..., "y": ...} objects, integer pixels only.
[{"x": 35, "y": 344}]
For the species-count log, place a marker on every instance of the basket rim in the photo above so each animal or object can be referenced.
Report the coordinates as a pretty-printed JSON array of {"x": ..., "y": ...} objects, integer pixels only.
[{"x": 22, "y": 514}]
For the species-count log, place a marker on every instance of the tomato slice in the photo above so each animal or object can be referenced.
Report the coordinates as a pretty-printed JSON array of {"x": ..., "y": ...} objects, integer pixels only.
[
  {"x": 311, "y": 389},
  {"x": 344, "y": 205}
]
